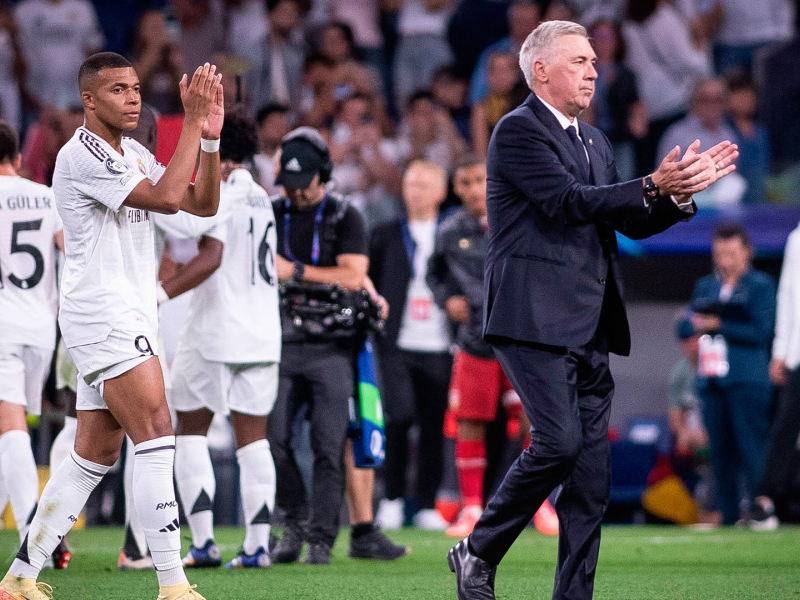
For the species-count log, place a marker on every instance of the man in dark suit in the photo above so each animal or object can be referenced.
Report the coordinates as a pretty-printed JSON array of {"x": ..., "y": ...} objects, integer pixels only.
[{"x": 554, "y": 304}]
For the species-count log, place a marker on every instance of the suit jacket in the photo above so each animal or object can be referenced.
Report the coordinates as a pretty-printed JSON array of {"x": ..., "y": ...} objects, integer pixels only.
[
  {"x": 390, "y": 271},
  {"x": 553, "y": 262},
  {"x": 747, "y": 324}
]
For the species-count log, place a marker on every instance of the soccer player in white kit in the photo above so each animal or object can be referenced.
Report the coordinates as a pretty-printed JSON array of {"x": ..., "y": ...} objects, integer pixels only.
[
  {"x": 228, "y": 355},
  {"x": 105, "y": 187},
  {"x": 30, "y": 229}
]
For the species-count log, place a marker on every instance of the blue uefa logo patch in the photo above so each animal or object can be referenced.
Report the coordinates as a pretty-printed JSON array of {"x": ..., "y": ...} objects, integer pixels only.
[{"x": 115, "y": 167}]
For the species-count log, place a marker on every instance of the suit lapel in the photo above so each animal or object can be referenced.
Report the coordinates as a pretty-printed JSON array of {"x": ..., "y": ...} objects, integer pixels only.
[
  {"x": 550, "y": 121},
  {"x": 595, "y": 160}
]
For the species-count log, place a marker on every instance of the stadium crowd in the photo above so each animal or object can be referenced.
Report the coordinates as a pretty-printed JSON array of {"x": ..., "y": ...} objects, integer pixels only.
[{"x": 405, "y": 95}]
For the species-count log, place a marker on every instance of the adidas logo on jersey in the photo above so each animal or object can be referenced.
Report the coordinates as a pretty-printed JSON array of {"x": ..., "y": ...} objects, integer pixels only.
[{"x": 293, "y": 165}]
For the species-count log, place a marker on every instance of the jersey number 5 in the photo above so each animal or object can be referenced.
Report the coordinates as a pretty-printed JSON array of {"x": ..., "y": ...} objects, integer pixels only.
[
  {"x": 33, "y": 251},
  {"x": 264, "y": 253}
]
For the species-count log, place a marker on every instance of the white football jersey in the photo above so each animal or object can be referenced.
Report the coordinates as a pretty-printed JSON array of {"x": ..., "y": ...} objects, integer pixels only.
[
  {"x": 28, "y": 290},
  {"x": 109, "y": 279},
  {"x": 234, "y": 314}
]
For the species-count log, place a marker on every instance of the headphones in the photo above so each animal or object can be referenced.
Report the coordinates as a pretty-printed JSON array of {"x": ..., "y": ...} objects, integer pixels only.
[{"x": 313, "y": 138}]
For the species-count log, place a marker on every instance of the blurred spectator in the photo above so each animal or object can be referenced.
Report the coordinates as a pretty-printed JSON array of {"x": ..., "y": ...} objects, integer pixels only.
[
  {"x": 273, "y": 124},
  {"x": 560, "y": 10},
  {"x": 743, "y": 26},
  {"x": 505, "y": 93},
  {"x": 277, "y": 74},
  {"x": 414, "y": 354},
  {"x": 784, "y": 371},
  {"x": 751, "y": 137},
  {"x": 733, "y": 312},
  {"x": 202, "y": 30},
  {"x": 366, "y": 162},
  {"x": 474, "y": 26},
  {"x": 780, "y": 104},
  {"x": 666, "y": 61},
  {"x": 12, "y": 70},
  {"x": 706, "y": 122},
  {"x": 450, "y": 92},
  {"x": 685, "y": 421},
  {"x": 318, "y": 92},
  {"x": 119, "y": 20},
  {"x": 246, "y": 30},
  {"x": 336, "y": 43},
  {"x": 616, "y": 110},
  {"x": 45, "y": 138},
  {"x": 56, "y": 35},
  {"x": 159, "y": 64},
  {"x": 523, "y": 17},
  {"x": 423, "y": 46},
  {"x": 362, "y": 18},
  {"x": 428, "y": 133}
]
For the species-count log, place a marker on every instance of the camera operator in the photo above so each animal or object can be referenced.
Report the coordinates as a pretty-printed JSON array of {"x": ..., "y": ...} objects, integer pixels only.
[{"x": 322, "y": 240}]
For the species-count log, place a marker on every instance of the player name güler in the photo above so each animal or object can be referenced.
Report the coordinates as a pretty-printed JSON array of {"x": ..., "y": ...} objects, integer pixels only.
[{"x": 20, "y": 202}]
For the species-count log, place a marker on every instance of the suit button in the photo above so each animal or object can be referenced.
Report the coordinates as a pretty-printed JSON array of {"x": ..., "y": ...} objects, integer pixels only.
[{"x": 601, "y": 281}]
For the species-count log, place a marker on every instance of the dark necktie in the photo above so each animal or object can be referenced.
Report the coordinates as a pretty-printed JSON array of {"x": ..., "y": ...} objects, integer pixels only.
[{"x": 580, "y": 153}]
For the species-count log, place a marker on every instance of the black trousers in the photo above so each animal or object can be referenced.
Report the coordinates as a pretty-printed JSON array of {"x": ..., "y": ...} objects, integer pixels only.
[
  {"x": 320, "y": 375},
  {"x": 566, "y": 393},
  {"x": 783, "y": 440},
  {"x": 415, "y": 390}
]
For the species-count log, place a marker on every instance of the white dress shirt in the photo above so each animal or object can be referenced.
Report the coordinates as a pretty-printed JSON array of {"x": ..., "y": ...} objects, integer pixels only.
[{"x": 786, "y": 345}]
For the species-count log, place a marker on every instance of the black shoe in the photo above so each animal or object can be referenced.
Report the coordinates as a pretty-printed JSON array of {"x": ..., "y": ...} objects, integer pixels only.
[
  {"x": 318, "y": 554},
  {"x": 375, "y": 545},
  {"x": 62, "y": 555},
  {"x": 763, "y": 517},
  {"x": 273, "y": 541},
  {"x": 474, "y": 576},
  {"x": 287, "y": 550}
]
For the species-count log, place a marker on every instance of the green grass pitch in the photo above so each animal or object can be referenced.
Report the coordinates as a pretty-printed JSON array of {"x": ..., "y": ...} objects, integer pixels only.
[{"x": 635, "y": 563}]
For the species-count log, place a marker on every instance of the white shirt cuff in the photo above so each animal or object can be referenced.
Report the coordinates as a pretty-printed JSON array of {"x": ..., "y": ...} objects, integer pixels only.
[{"x": 685, "y": 207}]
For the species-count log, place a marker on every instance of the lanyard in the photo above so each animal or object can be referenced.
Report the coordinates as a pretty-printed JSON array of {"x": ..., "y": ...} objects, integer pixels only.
[{"x": 287, "y": 227}]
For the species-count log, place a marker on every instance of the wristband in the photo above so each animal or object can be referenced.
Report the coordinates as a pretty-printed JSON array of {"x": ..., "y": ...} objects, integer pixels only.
[
  {"x": 299, "y": 271},
  {"x": 209, "y": 145},
  {"x": 161, "y": 294}
]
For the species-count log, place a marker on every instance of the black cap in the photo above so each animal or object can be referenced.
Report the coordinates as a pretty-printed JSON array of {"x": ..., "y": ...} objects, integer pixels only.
[{"x": 300, "y": 161}]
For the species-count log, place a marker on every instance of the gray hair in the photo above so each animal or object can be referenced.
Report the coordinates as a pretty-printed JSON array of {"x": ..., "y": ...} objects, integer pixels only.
[{"x": 539, "y": 44}]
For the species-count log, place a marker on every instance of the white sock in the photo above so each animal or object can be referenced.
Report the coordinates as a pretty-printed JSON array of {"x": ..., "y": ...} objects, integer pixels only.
[
  {"x": 64, "y": 497},
  {"x": 20, "y": 476},
  {"x": 135, "y": 543},
  {"x": 257, "y": 484},
  {"x": 64, "y": 443},
  {"x": 196, "y": 485},
  {"x": 154, "y": 499}
]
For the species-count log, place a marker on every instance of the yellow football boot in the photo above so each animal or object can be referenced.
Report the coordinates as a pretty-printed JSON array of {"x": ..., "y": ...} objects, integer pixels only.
[
  {"x": 181, "y": 591},
  {"x": 17, "y": 588}
]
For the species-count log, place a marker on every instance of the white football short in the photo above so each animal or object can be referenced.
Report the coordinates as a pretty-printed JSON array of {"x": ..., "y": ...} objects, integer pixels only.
[
  {"x": 197, "y": 383},
  {"x": 23, "y": 373},
  {"x": 66, "y": 371},
  {"x": 120, "y": 352}
]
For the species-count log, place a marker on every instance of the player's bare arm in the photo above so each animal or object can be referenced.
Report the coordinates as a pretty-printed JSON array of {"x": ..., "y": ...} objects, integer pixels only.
[
  {"x": 170, "y": 193},
  {"x": 204, "y": 193},
  {"x": 197, "y": 270}
]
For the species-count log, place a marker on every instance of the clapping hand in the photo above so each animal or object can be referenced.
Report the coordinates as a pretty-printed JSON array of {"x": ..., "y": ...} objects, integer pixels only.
[
  {"x": 694, "y": 172},
  {"x": 212, "y": 127},
  {"x": 201, "y": 95}
]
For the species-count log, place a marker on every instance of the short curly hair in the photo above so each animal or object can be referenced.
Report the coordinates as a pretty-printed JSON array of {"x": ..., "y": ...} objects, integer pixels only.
[{"x": 239, "y": 138}]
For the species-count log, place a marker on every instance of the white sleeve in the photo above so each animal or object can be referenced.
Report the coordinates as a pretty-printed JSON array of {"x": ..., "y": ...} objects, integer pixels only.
[
  {"x": 784, "y": 317},
  {"x": 58, "y": 223},
  {"x": 100, "y": 177},
  {"x": 183, "y": 225}
]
